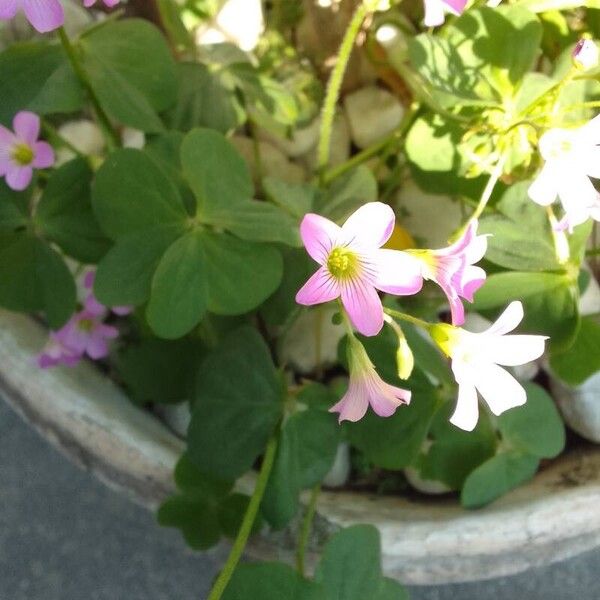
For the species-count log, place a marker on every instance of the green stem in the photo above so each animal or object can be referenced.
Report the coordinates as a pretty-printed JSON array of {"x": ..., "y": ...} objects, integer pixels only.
[
  {"x": 247, "y": 523},
  {"x": 488, "y": 190},
  {"x": 409, "y": 318},
  {"x": 561, "y": 243},
  {"x": 112, "y": 139},
  {"x": 309, "y": 516},
  {"x": 593, "y": 252},
  {"x": 335, "y": 84},
  {"x": 373, "y": 150}
]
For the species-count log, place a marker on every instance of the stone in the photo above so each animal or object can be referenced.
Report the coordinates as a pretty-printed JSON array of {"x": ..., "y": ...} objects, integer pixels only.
[
  {"x": 273, "y": 162},
  {"x": 373, "y": 113},
  {"x": 339, "y": 151},
  {"x": 133, "y": 138},
  {"x": 300, "y": 141},
  {"x": 340, "y": 471},
  {"x": 580, "y": 406},
  {"x": 176, "y": 416},
  {"x": 299, "y": 347},
  {"x": 425, "y": 486}
]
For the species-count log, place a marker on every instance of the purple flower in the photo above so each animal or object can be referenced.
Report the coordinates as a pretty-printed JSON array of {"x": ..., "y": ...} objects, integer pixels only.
[
  {"x": 354, "y": 267},
  {"x": 87, "y": 334},
  {"x": 56, "y": 353},
  {"x": 20, "y": 152},
  {"x": 109, "y": 3},
  {"x": 452, "y": 269},
  {"x": 44, "y": 15},
  {"x": 367, "y": 388},
  {"x": 435, "y": 10}
]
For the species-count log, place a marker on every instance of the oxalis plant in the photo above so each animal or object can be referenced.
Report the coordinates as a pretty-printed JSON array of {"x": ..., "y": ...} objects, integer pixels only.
[{"x": 177, "y": 257}]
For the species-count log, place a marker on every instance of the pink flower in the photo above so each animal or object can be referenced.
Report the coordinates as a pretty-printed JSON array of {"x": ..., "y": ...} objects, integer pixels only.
[
  {"x": 435, "y": 10},
  {"x": 109, "y": 3},
  {"x": 475, "y": 363},
  {"x": 20, "y": 152},
  {"x": 366, "y": 387},
  {"x": 44, "y": 15},
  {"x": 56, "y": 353},
  {"x": 452, "y": 269},
  {"x": 86, "y": 333},
  {"x": 354, "y": 267}
]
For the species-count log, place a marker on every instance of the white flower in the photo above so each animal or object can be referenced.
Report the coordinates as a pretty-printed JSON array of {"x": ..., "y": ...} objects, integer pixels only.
[
  {"x": 475, "y": 363},
  {"x": 585, "y": 54},
  {"x": 572, "y": 156}
]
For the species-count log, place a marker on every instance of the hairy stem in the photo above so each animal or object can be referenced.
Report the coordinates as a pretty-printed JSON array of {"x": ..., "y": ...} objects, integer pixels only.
[
  {"x": 309, "y": 516},
  {"x": 249, "y": 518},
  {"x": 112, "y": 139},
  {"x": 335, "y": 84},
  {"x": 405, "y": 317}
]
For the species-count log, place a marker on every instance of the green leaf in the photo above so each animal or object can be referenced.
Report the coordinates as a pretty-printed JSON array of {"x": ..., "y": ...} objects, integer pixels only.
[
  {"x": 270, "y": 581},
  {"x": 231, "y": 515},
  {"x": 131, "y": 193},
  {"x": 240, "y": 275},
  {"x": 391, "y": 590},
  {"x": 14, "y": 208},
  {"x": 521, "y": 238},
  {"x": 297, "y": 198},
  {"x": 549, "y": 301},
  {"x": 30, "y": 74},
  {"x": 497, "y": 476},
  {"x": 34, "y": 277},
  {"x": 582, "y": 359},
  {"x": 536, "y": 427},
  {"x": 347, "y": 193},
  {"x": 540, "y": 6},
  {"x": 131, "y": 70},
  {"x": 178, "y": 298},
  {"x": 350, "y": 567},
  {"x": 237, "y": 406},
  {"x": 192, "y": 481},
  {"x": 216, "y": 172},
  {"x": 256, "y": 221},
  {"x": 124, "y": 275},
  {"x": 202, "y": 101},
  {"x": 65, "y": 215},
  {"x": 158, "y": 370},
  {"x": 306, "y": 453}
]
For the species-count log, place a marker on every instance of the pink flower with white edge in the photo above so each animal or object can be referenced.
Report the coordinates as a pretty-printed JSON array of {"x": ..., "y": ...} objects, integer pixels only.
[
  {"x": 475, "y": 363},
  {"x": 109, "y": 3},
  {"x": 436, "y": 10},
  {"x": 367, "y": 388},
  {"x": 353, "y": 265},
  {"x": 44, "y": 15},
  {"x": 452, "y": 269},
  {"x": 20, "y": 151},
  {"x": 572, "y": 156}
]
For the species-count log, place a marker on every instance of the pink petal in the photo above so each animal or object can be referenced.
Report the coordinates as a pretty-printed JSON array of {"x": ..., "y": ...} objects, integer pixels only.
[
  {"x": 7, "y": 141},
  {"x": 353, "y": 405},
  {"x": 321, "y": 287},
  {"x": 457, "y": 310},
  {"x": 387, "y": 398},
  {"x": 97, "y": 348},
  {"x": 94, "y": 307},
  {"x": 455, "y": 6},
  {"x": 508, "y": 320},
  {"x": 111, "y": 3},
  {"x": 319, "y": 236},
  {"x": 27, "y": 127},
  {"x": 396, "y": 272},
  {"x": 363, "y": 305},
  {"x": 88, "y": 280},
  {"x": 8, "y": 9},
  {"x": 43, "y": 155},
  {"x": 44, "y": 15},
  {"x": 18, "y": 178},
  {"x": 122, "y": 311},
  {"x": 472, "y": 279},
  {"x": 88, "y": 3},
  {"x": 370, "y": 226}
]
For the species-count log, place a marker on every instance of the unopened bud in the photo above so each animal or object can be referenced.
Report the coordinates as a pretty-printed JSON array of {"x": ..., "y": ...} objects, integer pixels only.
[
  {"x": 405, "y": 360},
  {"x": 585, "y": 54}
]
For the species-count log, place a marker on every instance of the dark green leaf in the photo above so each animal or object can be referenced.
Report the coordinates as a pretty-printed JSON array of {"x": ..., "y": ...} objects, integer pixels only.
[{"x": 297, "y": 198}]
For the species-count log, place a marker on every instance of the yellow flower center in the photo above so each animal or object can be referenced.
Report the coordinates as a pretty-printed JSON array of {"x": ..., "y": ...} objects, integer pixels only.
[
  {"x": 342, "y": 263},
  {"x": 86, "y": 324},
  {"x": 445, "y": 336},
  {"x": 22, "y": 154}
]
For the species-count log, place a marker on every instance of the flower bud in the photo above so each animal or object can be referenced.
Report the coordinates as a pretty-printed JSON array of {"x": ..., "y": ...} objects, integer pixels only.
[{"x": 585, "y": 54}]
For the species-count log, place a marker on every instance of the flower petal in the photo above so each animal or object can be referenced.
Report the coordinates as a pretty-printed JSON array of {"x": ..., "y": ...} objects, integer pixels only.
[
  {"x": 508, "y": 320},
  {"x": 466, "y": 413},
  {"x": 590, "y": 133},
  {"x": 370, "y": 226},
  {"x": 18, "y": 178},
  {"x": 44, "y": 15},
  {"x": 544, "y": 189},
  {"x": 385, "y": 399},
  {"x": 361, "y": 301},
  {"x": 319, "y": 236},
  {"x": 472, "y": 279},
  {"x": 455, "y": 6},
  {"x": 321, "y": 287},
  {"x": 514, "y": 350},
  {"x": 498, "y": 387},
  {"x": 27, "y": 127},
  {"x": 353, "y": 405},
  {"x": 434, "y": 13},
  {"x": 44, "y": 155},
  {"x": 8, "y": 9},
  {"x": 396, "y": 272}
]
